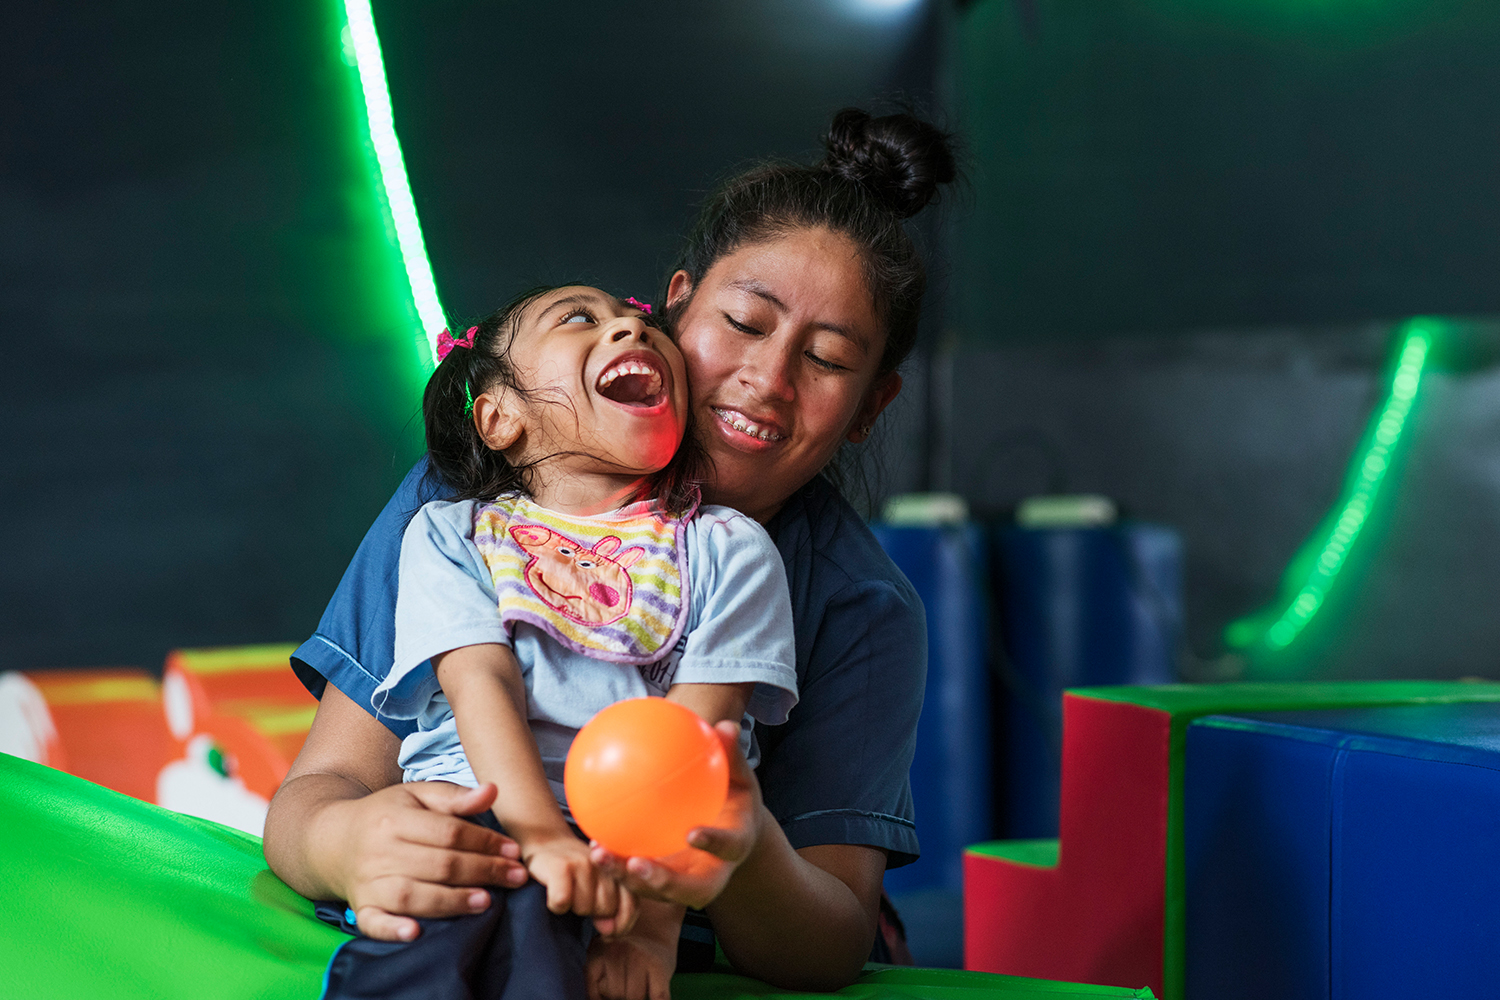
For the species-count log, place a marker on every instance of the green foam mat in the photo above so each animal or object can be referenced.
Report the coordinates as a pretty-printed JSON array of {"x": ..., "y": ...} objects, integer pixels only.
[
  {"x": 108, "y": 896},
  {"x": 900, "y": 983}
]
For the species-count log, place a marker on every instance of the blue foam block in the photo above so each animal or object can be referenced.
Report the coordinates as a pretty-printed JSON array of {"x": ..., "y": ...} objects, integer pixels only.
[{"x": 1343, "y": 854}]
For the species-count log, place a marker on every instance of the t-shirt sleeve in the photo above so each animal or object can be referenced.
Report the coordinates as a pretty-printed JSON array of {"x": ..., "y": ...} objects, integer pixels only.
[
  {"x": 742, "y": 614},
  {"x": 445, "y": 599},
  {"x": 838, "y": 773},
  {"x": 354, "y": 643}
]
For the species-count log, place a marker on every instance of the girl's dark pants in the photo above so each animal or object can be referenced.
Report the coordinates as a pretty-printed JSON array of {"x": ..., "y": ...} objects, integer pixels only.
[{"x": 515, "y": 950}]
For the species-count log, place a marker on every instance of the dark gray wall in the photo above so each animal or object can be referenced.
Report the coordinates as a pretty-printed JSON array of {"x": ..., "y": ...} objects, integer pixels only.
[
  {"x": 1194, "y": 229},
  {"x": 208, "y": 386}
]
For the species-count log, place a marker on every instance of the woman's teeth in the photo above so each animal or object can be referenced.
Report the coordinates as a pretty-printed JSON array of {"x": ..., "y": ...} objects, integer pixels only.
[{"x": 744, "y": 426}]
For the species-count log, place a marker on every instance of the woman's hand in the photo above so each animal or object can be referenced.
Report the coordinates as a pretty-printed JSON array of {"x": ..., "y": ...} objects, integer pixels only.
[
  {"x": 696, "y": 876},
  {"x": 343, "y": 826},
  {"x": 410, "y": 854}
]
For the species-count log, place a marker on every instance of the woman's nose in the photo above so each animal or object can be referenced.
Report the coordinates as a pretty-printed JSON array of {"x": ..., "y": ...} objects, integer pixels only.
[{"x": 767, "y": 370}]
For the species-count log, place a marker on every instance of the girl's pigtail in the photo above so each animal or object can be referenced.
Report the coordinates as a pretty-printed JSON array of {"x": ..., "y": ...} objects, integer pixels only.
[
  {"x": 454, "y": 447},
  {"x": 473, "y": 365}
]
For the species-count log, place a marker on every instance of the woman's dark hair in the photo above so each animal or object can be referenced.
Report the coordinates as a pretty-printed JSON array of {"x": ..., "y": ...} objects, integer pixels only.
[
  {"x": 469, "y": 468},
  {"x": 876, "y": 173}
]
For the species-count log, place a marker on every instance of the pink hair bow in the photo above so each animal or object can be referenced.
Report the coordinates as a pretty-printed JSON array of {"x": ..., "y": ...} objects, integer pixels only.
[
  {"x": 644, "y": 307},
  {"x": 446, "y": 343}
]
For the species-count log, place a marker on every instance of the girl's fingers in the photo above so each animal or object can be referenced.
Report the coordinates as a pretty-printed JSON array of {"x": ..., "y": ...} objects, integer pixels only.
[
  {"x": 560, "y": 895},
  {"x": 382, "y": 926},
  {"x": 606, "y": 895},
  {"x": 626, "y": 913},
  {"x": 620, "y": 918},
  {"x": 611, "y": 864}
]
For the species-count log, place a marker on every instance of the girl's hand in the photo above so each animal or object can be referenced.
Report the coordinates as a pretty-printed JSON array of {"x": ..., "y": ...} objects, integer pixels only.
[
  {"x": 696, "y": 876},
  {"x": 561, "y": 863},
  {"x": 411, "y": 855}
]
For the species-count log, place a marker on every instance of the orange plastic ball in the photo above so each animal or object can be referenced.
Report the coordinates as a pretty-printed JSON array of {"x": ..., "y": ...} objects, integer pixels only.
[{"x": 644, "y": 772}]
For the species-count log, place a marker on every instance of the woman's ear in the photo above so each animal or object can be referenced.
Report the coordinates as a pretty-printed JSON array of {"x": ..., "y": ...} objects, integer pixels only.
[
  {"x": 497, "y": 418},
  {"x": 878, "y": 398},
  {"x": 679, "y": 287}
]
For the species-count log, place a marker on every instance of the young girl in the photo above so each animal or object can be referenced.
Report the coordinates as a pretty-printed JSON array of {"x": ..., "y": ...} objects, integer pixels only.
[{"x": 575, "y": 569}]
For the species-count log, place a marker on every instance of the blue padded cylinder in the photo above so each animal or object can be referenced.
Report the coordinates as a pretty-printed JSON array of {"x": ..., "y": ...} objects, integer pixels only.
[
  {"x": 1078, "y": 607},
  {"x": 950, "y": 775}
]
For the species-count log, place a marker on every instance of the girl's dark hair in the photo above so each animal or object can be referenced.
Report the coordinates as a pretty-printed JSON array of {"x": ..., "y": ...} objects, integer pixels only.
[
  {"x": 876, "y": 173},
  {"x": 468, "y": 467}
]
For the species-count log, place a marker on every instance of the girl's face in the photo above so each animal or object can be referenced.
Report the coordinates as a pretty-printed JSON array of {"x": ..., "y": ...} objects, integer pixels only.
[
  {"x": 606, "y": 392},
  {"x": 782, "y": 344}
]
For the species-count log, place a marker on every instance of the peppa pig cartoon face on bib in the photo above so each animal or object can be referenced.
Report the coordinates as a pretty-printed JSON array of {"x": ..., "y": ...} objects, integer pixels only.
[{"x": 589, "y": 585}]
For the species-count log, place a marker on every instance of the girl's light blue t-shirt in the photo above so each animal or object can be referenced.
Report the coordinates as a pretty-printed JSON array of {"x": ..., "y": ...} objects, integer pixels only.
[{"x": 738, "y": 630}]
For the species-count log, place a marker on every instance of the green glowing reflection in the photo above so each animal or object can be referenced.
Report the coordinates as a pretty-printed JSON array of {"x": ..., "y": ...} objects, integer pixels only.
[
  {"x": 1358, "y": 501},
  {"x": 362, "y": 48}
]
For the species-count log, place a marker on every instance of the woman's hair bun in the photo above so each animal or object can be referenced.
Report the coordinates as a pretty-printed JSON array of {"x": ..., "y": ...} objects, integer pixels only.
[{"x": 899, "y": 159}]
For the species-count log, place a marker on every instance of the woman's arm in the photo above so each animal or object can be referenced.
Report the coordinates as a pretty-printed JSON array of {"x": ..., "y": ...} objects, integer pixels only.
[
  {"x": 801, "y": 919},
  {"x": 343, "y": 826}
]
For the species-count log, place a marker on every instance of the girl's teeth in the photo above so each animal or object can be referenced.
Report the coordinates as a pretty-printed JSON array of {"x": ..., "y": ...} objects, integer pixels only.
[
  {"x": 744, "y": 426},
  {"x": 632, "y": 368}
]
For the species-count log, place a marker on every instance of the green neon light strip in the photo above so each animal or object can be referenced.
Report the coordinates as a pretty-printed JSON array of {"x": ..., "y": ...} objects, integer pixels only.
[
  {"x": 393, "y": 178},
  {"x": 1359, "y": 497}
]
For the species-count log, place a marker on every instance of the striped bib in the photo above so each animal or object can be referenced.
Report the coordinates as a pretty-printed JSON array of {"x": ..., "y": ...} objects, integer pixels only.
[{"x": 611, "y": 587}]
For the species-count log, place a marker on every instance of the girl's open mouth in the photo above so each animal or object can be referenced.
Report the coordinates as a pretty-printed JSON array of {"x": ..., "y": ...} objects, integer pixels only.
[{"x": 633, "y": 379}]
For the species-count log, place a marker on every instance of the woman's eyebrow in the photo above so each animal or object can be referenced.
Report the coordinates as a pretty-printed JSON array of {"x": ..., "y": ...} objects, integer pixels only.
[{"x": 762, "y": 292}]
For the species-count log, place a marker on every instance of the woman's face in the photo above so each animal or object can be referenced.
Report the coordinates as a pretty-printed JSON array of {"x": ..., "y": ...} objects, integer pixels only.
[{"x": 782, "y": 343}]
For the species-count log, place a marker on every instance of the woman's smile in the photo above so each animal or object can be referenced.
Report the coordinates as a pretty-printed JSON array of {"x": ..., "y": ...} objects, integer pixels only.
[{"x": 763, "y": 431}]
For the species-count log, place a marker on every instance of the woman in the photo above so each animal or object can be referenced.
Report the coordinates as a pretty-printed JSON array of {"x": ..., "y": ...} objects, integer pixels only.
[{"x": 796, "y": 300}]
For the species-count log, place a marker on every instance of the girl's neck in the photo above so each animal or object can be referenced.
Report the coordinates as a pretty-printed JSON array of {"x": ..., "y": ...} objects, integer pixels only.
[{"x": 586, "y": 496}]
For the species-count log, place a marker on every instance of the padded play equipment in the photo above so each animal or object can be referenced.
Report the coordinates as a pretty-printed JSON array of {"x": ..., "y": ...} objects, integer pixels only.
[
  {"x": 950, "y": 774},
  {"x": 108, "y": 896},
  {"x": 1343, "y": 854},
  {"x": 249, "y": 690},
  {"x": 213, "y": 739},
  {"x": 1104, "y": 903},
  {"x": 1079, "y": 607},
  {"x": 108, "y": 727}
]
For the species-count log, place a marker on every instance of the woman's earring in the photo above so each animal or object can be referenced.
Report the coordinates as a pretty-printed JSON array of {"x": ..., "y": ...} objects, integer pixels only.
[{"x": 866, "y": 429}]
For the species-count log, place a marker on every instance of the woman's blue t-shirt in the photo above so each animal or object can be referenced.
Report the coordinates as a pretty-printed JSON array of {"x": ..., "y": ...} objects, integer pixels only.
[{"x": 836, "y": 772}]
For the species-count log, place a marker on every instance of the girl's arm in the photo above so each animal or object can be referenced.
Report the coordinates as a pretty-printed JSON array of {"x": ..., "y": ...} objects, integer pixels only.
[
  {"x": 343, "y": 826},
  {"x": 714, "y": 703},
  {"x": 485, "y": 689}
]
